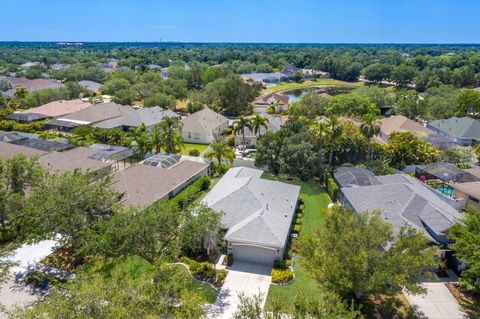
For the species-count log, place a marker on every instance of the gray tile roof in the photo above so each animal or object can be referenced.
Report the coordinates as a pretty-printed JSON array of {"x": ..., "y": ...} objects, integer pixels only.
[
  {"x": 204, "y": 121},
  {"x": 91, "y": 85},
  {"x": 8, "y": 150},
  {"x": 77, "y": 158},
  {"x": 403, "y": 200},
  {"x": 462, "y": 127},
  {"x": 253, "y": 209},
  {"x": 149, "y": 116}
]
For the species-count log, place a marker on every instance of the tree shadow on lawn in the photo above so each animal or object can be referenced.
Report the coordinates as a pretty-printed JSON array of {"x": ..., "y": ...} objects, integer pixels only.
[{"x": 396, "y": 307}]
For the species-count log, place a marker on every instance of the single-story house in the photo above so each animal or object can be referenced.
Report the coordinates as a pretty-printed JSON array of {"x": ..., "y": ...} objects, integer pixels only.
[
  {"x": 87, "y": 116},
  {"x": 30, "y": 85},
  {"x": 264, "y": 101},
  {"x": 90, "y": 85},
  {"x": 43, "y": 145},
  {"x": 28, "y": 65},
  {"x": 25, "y": 117},
  {"x": 8, "y": 150},
  {"x": 76, "y": 158},
  {"x": 150, "y": 116},
  {"x": 274, "y": 125},
  {"x": 257, "y": 214},
  {"x": 464, "y": 131},
  {"x": 400, "y": 123},
  {"x": 203, "y": 127},
  {"x": 58, "y": 108},
  {"x": 470, "y": 191},
  {"x": 143, "y": 184},
  {"x": 400, "y": 199}
]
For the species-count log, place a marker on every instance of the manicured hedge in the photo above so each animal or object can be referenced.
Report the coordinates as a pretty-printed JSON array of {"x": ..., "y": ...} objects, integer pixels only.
[
  {"x": 191, "y": 192},
  {"x": 8, "y": 125},
  {"x": 297, "y": 228},
  {"x": 221, "y": 275}
]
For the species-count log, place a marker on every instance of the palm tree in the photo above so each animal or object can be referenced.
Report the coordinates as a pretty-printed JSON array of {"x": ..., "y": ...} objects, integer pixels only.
[
  {"x": 239, "y": 126},
  {"x": 170, "y": 129},
  {"x": 370, "y": 128},
  {"x": 257, "y": 121},
  {"x": 220, "y": 149},
  {"x": 142, "y": 143},
  {"x": 156, "y": 139},
  {"x": 334, "y": 132}
]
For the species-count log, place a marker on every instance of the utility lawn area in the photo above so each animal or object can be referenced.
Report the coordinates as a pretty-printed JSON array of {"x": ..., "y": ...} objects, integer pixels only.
[
  {"x": 287, "y": 86},
  {"x": 316, "y": 199},
  {"x": 187, "y": 147}
]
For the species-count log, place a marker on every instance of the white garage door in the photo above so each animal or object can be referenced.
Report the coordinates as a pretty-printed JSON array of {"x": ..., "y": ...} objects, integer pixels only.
[{"x": 253, "y": 254}]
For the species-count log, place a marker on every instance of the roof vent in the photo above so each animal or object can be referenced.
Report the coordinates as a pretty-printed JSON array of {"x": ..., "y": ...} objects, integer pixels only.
[{"x": 286, "y": 215}]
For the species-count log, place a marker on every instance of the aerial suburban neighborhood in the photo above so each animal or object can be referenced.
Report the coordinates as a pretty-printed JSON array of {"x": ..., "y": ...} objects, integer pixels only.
[{"x": 240, "y": 160}]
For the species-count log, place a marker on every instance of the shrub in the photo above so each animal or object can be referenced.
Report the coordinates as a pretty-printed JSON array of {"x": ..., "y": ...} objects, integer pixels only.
[
  {"x": 204, "y": 182},
  {"x": 221, "y": 275},
  {"x": 332, "y": 188},
  {"x": 221, "y": 169},
  {"x": 280, "y": 276},
  {"x": 288, "y": 263},
  {"x": 297, "y": 229},
  {"x": 301, "y": 207},
  {"x": 229, "y": 259},
  {"x": 298, "y": 221},
  {"x": 227, "y": 131},
  {"x": 299, "y": 215},
  {"x": 231, "y": 140},
  {"x": 203, "y": 271},
  {"x": 301, "y": 200},
  {"x": 194, "y": 152}
]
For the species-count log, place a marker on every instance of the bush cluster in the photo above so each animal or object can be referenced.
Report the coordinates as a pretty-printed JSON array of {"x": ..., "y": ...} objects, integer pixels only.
[
  {"x": 200, "y": 270},
  {"x": 191, "y": 192},
  {"x": 194, "y": 152},
  {"x": 8, "y": 125},
  {"x": 281, "y": 276},
  {"x": 229, "y": 259},
  {"x": 221, "y": 275}
]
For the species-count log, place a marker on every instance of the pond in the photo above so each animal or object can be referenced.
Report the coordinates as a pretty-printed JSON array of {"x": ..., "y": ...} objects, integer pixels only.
[{"x": 295, "y": 95}]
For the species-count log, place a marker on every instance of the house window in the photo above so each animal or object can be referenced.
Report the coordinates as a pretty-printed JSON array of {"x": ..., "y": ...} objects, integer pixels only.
[
  {"x": 197, "y": 136},
  {"x": 189, "y": 135}
]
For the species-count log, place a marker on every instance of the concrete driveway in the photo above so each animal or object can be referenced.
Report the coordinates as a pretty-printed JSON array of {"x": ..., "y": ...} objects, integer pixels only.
[
  {"x": 437, "y": 303},
  {"x": 247, "y": 278}
]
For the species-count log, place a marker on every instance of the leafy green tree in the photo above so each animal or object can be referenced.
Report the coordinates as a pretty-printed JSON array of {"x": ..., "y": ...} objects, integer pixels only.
[
  {"x": 376, "y": 94},
  {"x": 457, "y": 155},
  {"x": 403, "y": 75},
  {"x": 468, "y": 103},
  {"x": 370, "y": 128},
  {"x": 269, "y": 148},
  {"x": 69, "y": 205},
  {"x": 465, "y": 235},
  {"x": 220, "y": 150},
  {"x": 352, "y": 104},
  {"x": 377, "y": 72},
  {"x": 20, "y": 93},
  {"x": 124, "y": 97},
  {"x": 194, "y": 106},
  {"x": 310, "y": 106},
  {"x": 409, "y": 104},
  {"x": 240, "y": 125},
  {"x": 358, "y": 255},
  {"x": 404, "y": 148},
  {"x": 130, "y": 290},
  {"x": 441, "y": 102},
  {"x": 114, "y": 85},
  {"x": 160, "y": 99},
  {"x": 170, "y": 131}
]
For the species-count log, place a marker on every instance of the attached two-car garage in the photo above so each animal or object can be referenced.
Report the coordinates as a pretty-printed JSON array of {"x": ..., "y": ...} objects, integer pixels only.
[{"x": 254, "y": 254}]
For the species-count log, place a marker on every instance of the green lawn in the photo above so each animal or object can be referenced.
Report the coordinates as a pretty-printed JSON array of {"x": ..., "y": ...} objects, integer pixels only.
[
  {"x": 188, "y": 147},
  {"x": 315, "y": 201},
  {"x": 287, "y": 86},
  {"x": 208, "y": 292}
]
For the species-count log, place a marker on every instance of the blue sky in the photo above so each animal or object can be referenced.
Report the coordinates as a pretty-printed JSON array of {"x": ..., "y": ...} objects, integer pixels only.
[{"x": 312, "y": 21}]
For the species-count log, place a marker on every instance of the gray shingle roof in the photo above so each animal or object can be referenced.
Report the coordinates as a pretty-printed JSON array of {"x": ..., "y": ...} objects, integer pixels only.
[
  {"x": 8, "y": 150},
  {"x": 403, "y": 200},
  {"x": 254, "y": 210},
  {"x": 26, "y": 117},
  {"x": 204, "y": 120},
  {"x": 95, "y": 114},
  {"x": 462, "y": 127},
  {"x": 149, "y": 116}
]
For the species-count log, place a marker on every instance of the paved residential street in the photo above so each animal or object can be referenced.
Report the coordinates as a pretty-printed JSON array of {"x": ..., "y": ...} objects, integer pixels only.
[
  {"x": 438, "y": 303},
  {"x": 247, "y": 278}
]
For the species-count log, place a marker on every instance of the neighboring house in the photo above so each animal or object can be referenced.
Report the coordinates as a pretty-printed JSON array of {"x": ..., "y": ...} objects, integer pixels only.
[
  {"x": 470, "y": 191},
  {"x": 79, "y": 158},
  {"x": 8, "y": 150},
  {"x": 400, "y": 199},
  {"x": 30, "y": 85},
  {"x": 274, "y": 125},
  {"x": 88, "y": 116},
  {"x": 29, "y": 65},
  {"x": 59, "y": 66},
  {"x": 464, "y": 131},
  {"x": 26, "y": 117},
  {"x": 58, "y": 108},
  {"x": 446, "y": 181},
  {"x": 257, "y": 214},
  {"x": 150, "y": 116},
  {"x": 43, "y": 145},
  {"x": 400, "y": 123},
  {"x": 264, "y": 101},
  {"x": 143, "y": 184},
  {"x": 90, "y": 85},
  {"x": 203, "y": 126}
]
